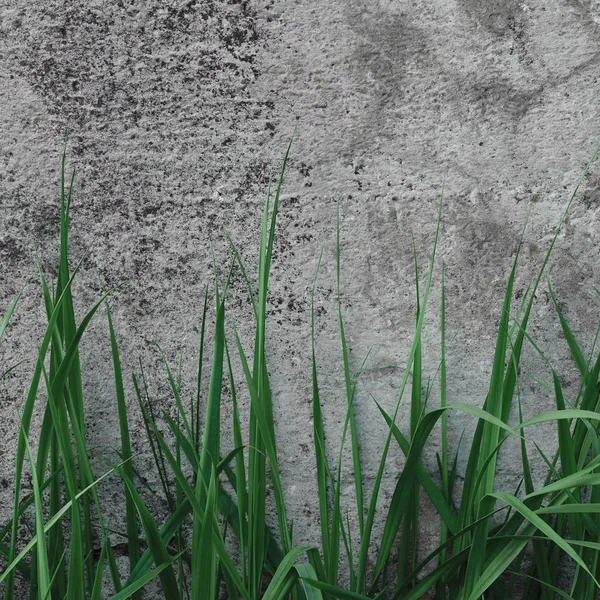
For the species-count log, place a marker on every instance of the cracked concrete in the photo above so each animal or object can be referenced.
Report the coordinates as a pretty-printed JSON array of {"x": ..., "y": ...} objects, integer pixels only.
[{"x": 176, "y": 113}]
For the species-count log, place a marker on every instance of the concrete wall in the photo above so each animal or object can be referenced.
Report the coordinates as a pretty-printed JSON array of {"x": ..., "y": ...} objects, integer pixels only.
[{"x": 177, "y": 111}]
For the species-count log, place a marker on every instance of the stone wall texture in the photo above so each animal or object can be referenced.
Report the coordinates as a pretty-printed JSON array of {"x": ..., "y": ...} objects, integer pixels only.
[{"x": 178, "y": 110}]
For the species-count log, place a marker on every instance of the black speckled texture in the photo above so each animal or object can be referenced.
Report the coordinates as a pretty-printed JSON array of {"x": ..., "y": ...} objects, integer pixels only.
[{"x": 177, "y": 112}]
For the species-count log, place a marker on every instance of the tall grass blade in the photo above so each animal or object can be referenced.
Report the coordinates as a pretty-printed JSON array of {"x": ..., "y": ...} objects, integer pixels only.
[
  {"x": 43, "y": 571},
  {"x": 14, "y": 564},
  {"x": 319, "y": 441},
  {"x": 25, "y": 424},
  {"x": 133, "y": 549},
  {"x": 357, "y": 468},
  {"x": 393, "y": 519}
]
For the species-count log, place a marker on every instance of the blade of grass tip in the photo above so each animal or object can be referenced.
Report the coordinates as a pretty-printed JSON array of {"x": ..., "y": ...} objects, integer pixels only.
[
  {"x": 357, "y": 469},
  {"x": 524, "y": 308},
  {"x": 391, "y": 524},
  {"x": 8, "y": 371},
  {"x": 240, "y": 262},
  {"x": 454, "y": 470},
  {"x": 69, "y": 327},
  {"x": 319, "y": 436},
  {"x": 9, "y": 312},
  {"x": 346, "y": 533},
  {"x": 133, "y": 549},
  {"x": 195, "y": 409},
  {"x": 211, "y": 440},
  {"x": 571, "y": 341},
  {"x": 43, "y": 571}
]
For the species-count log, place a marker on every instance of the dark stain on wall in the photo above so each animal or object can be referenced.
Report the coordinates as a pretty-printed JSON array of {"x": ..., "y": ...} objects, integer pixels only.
[
  {"x": 156, "y": 97},
  {"x": 396, "y": 66},
  {"x": 90, "y": 63},
  {"x": 385, "y": 50},
  {"x": 500, "y": 17}
]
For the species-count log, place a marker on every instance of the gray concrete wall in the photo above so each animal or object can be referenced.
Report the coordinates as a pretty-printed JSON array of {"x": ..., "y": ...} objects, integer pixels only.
[{"x": 177, "y": 111}]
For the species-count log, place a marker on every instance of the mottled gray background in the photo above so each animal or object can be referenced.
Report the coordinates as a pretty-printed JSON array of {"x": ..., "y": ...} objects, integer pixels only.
[{"x": 177, "y": 111}]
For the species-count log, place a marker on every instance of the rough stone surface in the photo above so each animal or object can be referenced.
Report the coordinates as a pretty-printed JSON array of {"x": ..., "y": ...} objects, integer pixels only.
[{"x": 176, "y": 113}]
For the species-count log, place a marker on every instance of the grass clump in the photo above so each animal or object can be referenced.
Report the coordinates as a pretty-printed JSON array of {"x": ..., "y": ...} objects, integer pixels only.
[{"x": 216, "y": 541}]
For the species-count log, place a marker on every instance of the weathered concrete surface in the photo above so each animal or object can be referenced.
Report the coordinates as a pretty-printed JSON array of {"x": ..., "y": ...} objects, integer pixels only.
[{"x": 177, "y": 111}]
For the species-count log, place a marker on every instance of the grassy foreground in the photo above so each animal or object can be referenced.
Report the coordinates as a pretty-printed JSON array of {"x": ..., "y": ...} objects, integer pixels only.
[{"x": 215, "y": 542}]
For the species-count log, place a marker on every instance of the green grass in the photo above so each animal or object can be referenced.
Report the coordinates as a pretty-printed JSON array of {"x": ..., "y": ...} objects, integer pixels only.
[{"x": 216, "y": 541}]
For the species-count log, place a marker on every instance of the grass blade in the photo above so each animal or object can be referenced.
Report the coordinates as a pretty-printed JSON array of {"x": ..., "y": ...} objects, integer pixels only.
[{"x": 130, "y": 509}]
